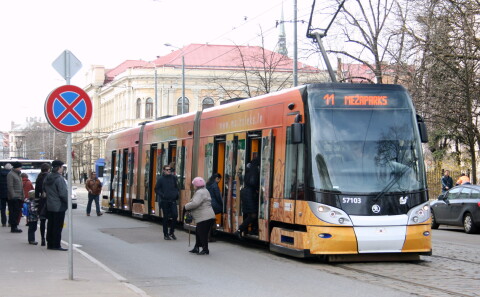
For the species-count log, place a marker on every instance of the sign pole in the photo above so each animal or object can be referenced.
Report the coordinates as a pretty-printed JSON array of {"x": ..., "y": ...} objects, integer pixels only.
[
  {"x": 67, "y": 65},
  {"x": 69, "y": 178}
]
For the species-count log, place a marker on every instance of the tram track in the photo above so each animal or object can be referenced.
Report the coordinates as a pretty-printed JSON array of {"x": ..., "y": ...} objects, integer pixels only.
[
  {"x": 404, "y": 281},
  {"x": 438, "y": 276}
]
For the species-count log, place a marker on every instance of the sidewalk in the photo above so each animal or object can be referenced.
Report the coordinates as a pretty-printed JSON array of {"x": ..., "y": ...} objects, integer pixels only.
[{"x": 32, "y": 270}]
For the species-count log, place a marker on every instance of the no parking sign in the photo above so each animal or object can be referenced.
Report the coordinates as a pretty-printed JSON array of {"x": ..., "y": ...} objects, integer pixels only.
[{"x": 68, "y": 108}]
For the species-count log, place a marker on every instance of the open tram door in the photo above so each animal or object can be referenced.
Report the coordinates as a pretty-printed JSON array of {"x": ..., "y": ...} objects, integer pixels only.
[
  {"x": 150, "y": 178},
  {"x": 110, "y": 200}
]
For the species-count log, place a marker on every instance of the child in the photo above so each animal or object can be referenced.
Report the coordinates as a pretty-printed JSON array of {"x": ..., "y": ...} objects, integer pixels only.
[{"x": 31, "y": 205}]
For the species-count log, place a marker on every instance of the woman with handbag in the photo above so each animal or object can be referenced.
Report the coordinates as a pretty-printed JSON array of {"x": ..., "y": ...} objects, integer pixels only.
[{"x": 201, "y": 209}]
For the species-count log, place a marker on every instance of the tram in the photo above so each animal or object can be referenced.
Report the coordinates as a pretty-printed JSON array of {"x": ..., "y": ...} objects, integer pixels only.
[{"x": 342, "y": 171}]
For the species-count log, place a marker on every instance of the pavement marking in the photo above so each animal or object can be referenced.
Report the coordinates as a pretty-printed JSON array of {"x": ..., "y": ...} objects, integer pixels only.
[{"x": 120, "y": 278}]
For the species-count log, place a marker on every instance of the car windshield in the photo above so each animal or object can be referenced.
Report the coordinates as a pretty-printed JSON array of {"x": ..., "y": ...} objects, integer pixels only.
[{"x": 365, "y": 151}]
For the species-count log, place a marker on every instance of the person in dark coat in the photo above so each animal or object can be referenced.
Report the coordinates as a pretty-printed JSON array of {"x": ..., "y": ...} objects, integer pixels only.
[
  {"x": 447, "y": 181},
  {"x": 15, "y": 196},
  {"x": 55, "y": 187},
  {"x": 249, "y": 198},
  {"x": 212, "y": 187},
  {"x": 4, "y": 192},
  {"x": 167, "y": 192},
  {"x": 42, "y": 199}
]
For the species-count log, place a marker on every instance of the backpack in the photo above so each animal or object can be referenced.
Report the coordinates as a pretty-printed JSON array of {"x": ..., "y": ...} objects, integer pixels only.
[{"x": 25, "y": 209}]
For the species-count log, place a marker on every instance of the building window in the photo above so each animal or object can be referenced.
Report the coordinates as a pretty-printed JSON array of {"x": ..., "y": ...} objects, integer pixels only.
[
  {"x": 149, "y": 108},
  {"x": 207, "y": 103},
  {"x": 139, "y": 104},
  {"x": 185, "y": 105}
]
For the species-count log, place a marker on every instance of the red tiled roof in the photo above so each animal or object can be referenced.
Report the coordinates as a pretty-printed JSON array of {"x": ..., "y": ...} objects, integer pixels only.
[{"x": 206, "y": 56}]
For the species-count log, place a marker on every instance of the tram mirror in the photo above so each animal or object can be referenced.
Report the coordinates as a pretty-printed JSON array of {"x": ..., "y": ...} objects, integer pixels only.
[
  {"x": 423, "y": 132},
  {"x": 422, "y": 128},
  {"x": 297, "y": 135}
]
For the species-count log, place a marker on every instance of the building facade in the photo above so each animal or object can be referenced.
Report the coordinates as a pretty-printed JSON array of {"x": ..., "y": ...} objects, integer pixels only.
[{"x": 189, "y": 79}]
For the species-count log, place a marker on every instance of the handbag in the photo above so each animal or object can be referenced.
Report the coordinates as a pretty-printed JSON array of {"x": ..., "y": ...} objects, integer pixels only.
[{"x": 187, "y": 217}]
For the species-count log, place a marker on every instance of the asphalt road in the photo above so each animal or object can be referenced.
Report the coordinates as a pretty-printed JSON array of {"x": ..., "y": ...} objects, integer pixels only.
[{"x": 136, "y": 250}]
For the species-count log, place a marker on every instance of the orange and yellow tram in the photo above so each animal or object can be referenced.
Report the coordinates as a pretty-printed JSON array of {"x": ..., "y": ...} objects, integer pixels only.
[{"x": 342, "y": 170}]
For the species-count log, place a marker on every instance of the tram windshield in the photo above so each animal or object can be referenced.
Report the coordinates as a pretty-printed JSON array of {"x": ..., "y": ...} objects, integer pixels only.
[{"x": 364, "y": 148}]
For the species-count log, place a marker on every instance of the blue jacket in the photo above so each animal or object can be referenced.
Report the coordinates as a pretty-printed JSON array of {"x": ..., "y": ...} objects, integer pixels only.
[{"x": 167, "y": 188}]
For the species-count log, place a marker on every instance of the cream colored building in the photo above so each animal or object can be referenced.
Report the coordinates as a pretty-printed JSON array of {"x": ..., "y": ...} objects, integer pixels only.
[{"x": 125, "y": 96}]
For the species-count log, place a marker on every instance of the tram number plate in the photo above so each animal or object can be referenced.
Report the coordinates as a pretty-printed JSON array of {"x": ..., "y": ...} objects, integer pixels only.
[{"x": 355, "y": 200}]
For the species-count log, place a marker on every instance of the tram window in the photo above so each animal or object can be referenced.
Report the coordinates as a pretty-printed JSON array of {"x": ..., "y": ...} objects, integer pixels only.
[{"x": 294, "y": 179}]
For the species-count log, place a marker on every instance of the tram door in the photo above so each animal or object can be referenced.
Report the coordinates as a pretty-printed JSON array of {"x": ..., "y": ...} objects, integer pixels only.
[
  {"x": 123, "y": 179},
  {"x": 113, "y": 181},
  {"x": 219, "y": 160},
  {"x": 150, "y": 179}
]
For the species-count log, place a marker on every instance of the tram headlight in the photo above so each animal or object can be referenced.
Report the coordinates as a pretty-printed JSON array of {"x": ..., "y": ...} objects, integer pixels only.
[
  {"x": 330, "y": 214},
  {"x": 419, "y": 214}
]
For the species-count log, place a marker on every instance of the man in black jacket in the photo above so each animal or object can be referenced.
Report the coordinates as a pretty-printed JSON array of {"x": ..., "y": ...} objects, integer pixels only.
[
  {"x": 249, "y": 198},
  {"x": 167, "y": 192}
]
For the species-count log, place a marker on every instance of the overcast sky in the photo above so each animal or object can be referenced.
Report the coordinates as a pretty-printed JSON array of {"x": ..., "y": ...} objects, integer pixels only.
[{"x": 34, "y": 33}]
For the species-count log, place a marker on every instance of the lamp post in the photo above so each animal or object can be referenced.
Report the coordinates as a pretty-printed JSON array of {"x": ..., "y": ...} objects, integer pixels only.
[{"x": 183, "y": 74}]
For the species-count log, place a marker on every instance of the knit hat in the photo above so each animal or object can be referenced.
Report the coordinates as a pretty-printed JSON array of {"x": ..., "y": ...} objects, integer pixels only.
[
  {"x": 17, "y": 165},
  {"x": 57, "y": 163},
  {"x": 198, "y": 182}
]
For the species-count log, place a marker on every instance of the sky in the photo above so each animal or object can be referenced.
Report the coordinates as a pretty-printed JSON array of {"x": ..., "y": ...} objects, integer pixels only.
[{"x": 34, "y": 33}]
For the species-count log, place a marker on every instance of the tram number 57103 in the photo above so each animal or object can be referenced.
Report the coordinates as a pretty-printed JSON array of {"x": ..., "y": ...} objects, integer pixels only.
[{"x": 356, "y": 200}]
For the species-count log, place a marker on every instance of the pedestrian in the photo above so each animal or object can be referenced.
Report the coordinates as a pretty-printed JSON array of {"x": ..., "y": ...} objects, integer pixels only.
[
  {"x": 462, "y": 180},
  {"x": 55, "y": 187},
  {"x": 447, "y": 181},
  {"x": 217, "y": 203},
  {"x": 42, "y": 199},
  {"x": 31, "y": 216},
  {"x": 166, "y": 190},
  {"x": 249, "y": 199},
  {"x": 4, "y": 193},
  {"x": 27, "y": 185},
  {"x": 94, "y": 188},
  {"x": 84, "y": 175},
  {"x": 201, "y": 209},
  {"x": 15, "y": 196}
]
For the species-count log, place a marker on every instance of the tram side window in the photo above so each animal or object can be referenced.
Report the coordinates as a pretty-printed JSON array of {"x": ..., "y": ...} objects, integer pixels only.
[{"x": 294, "y": 178}]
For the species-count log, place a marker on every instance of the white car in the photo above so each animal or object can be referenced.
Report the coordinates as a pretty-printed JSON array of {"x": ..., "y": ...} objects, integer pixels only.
[{"x": 74, "y": 195}]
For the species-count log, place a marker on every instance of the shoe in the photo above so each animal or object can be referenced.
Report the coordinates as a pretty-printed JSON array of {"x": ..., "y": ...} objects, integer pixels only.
[
  {"x": 172, "y": 236},
  {"x": 17, "y": 230},
  {"x": 99, "y": 214},
  {"x": 203, "y": 252},
  {"x": 166, "y": 237},
  {"x": 4, "y": 225},
  {"x": 57, "y": 249},
  {"x": 88, "y": 214},
  {"x": 238, "y": 234},
  {"x": 43, "y": 242},
  {"x": 33, "y": 242},
  {"x": 194, "y": 251}
]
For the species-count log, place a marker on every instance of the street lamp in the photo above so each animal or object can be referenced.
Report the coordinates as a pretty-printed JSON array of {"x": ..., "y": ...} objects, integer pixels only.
[{"x": 183, "y": 74}]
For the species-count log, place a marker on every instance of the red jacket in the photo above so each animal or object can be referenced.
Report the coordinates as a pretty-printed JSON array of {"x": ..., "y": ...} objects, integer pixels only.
[{"x": 27, "y": 186}]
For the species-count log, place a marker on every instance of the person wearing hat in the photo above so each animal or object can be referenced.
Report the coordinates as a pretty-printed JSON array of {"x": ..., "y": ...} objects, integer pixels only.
[
  {"x": 57, "y": 203},
  {"x": 4, "y": 192},
  {"x": 201, "y": 209},
  {"x": 15, "y": 196}
]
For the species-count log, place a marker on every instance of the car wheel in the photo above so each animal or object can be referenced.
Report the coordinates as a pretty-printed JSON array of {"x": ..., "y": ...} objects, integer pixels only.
[
  {"x": 468, "y": 224},
  {"x": 434, "y": 223}
]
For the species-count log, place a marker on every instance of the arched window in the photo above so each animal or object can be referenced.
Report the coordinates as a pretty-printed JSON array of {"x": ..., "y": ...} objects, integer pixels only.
[
  {"x": 149, "y": 108},
  {"x": 186, "y": 105},
  {"x": 207, "y": 103},
  {"x": 139, "y": 104}
]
